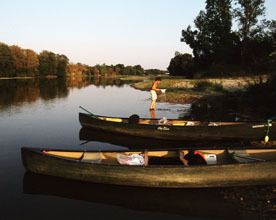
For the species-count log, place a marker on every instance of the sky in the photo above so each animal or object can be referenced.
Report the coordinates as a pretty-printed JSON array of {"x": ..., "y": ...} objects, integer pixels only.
[{"x": 129, "y": 32}]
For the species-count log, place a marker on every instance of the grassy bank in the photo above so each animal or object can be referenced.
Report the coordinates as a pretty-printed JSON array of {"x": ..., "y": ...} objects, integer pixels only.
[
  {"x": 241, "y": 98},
  {"x": 181, "y": 90}
]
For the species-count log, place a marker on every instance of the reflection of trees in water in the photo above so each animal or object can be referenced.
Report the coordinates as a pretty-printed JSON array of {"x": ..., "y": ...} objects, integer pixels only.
[
  {"x": 50, "y": 89},
  {"x": 107, "y": 81},
  {"x": 16, "y": 92},
  {"x": 97, "y": 80},
  {"x": 19, "y": 91},
  {"x": 78, "y": 82}
]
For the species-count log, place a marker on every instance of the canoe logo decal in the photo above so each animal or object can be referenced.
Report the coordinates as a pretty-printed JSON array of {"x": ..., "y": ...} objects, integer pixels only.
[{"x": 163, "y": 128}]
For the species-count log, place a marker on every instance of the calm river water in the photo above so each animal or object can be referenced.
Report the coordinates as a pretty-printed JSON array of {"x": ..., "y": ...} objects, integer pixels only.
[{"x": 44, "y": 113}]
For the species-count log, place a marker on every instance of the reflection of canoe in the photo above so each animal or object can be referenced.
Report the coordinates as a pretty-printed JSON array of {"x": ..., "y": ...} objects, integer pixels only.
[
  {"x": 207, "y": 203},
  {"x": 244, "y": 167},
  {"x": 180, "y": 129},
  {"x": 135, "y": 142}
]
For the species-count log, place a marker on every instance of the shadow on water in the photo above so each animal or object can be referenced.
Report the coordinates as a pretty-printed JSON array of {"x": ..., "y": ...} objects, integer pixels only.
[
  {"x": 207, "y": 203},
  {"x": 229, "y": 107}
]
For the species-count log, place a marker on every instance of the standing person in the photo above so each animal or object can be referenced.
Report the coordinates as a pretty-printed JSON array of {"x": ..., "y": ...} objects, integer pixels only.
[{"x": 153, "y": 92}]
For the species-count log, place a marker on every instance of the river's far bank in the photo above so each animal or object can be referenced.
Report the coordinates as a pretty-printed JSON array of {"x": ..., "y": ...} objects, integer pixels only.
[{"x": 18, "y": 77}]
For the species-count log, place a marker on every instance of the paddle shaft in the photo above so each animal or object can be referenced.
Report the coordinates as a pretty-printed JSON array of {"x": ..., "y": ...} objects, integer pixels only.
[
  {"x": 88, "y": 112},
  {"x": 249, "y": 158}
]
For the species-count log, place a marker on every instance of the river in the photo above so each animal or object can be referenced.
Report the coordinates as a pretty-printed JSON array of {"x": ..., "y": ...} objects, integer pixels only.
[{"x": 44, "y": 113}]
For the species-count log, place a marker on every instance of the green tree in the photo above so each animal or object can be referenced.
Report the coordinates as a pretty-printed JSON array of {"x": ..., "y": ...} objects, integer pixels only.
[
  {"x": 139, "y": 70},
  {"x": 119, "y": 68},
  {"x": 102, "y": 69},
  {"x": 273, "y": 53},
  {"x": 62, "y": 65},
  {"x": 26, "y": 61},
  {"x": 52, "y": 63},
  {"x": 43, "y": 63},
  {"x": 213, "y": 32},
  {"x": 154, "y": 72},
  {"x": 219, "y": 21},
  {"x": 48, "y": 64},
  {"x": 18, "y": 54},
  {"x": 247, "y": 16},
  {"x": 127, "y": 70},
  {"x": 259, "y": 47},
  {"x": 31, "y": 62},
  {"x": 272, "y": 36},
  {"x": 7, "y": 63},
  {"x": 182, "y": 65}
]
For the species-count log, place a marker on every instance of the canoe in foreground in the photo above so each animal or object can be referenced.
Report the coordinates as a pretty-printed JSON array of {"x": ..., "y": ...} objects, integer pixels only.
[
  {"x": 180, "y": 129},
  {"x": 239, "y": 168}
]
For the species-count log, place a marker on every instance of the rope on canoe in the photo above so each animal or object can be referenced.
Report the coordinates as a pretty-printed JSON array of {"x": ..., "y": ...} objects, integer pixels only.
[{"x": 267, "y": 130}]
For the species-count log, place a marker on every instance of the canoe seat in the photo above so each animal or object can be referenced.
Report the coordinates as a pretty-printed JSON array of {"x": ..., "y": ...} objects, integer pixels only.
[
  {"x": 241, "y": 156},
  {"x": 111, "y": 119},
  {"x": 91, "y": 157}
]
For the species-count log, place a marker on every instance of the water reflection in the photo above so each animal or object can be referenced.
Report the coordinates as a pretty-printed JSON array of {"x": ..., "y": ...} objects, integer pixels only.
[
  {"x": 51, "y": 89},
  {"x": 16, "y": 92},
  {"x": 99, "y": 81},
  {"x": 19, "y": 91},
  {"x": 90, "y": 135},
  {"x": 207, "y": 203},
  {"x": 132, "y": 142}
]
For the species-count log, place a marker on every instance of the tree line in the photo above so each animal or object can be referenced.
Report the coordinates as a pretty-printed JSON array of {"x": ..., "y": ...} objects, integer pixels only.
[
  {"x": 220, "y": 50},
  {"x": 112, "y": 70},
  {"x": 16, "y": 61}
]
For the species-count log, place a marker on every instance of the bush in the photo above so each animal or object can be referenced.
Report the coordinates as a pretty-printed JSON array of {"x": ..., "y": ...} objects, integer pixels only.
[
  {"x": 202, "y": 85},
  {"x": 205, "y": 84},
  {"x": 182, "y": 65}
]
